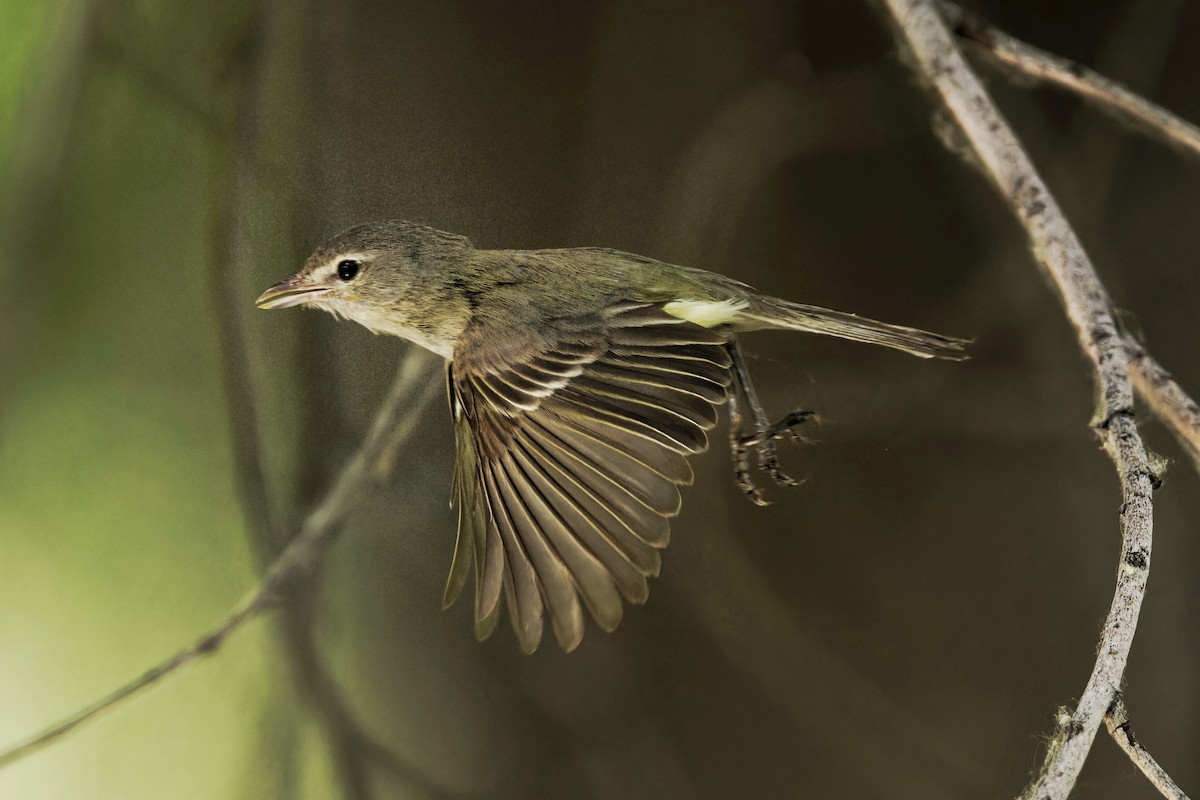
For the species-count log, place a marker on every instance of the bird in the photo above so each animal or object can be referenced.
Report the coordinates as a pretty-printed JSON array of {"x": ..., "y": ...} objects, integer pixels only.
[{"x": 580, "y": 381}]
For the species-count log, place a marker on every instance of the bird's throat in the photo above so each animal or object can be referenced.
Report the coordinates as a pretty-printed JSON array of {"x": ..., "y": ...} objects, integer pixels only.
[{"x": 437, "y": 336}]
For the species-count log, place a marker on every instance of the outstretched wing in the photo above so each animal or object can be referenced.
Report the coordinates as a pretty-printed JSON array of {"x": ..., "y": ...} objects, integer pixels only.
[{"x": 571, "y": 449}]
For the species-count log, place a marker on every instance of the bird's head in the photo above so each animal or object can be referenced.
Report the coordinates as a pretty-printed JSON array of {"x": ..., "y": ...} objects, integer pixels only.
[{"x": 382, "y": 275}]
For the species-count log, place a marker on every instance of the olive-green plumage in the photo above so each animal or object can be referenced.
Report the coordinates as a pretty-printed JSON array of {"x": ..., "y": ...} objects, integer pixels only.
[{"x": 580, "y": 380}]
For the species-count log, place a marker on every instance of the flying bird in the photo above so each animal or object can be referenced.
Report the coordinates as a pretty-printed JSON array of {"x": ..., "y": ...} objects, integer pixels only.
[{"x": 580, "y": 380}]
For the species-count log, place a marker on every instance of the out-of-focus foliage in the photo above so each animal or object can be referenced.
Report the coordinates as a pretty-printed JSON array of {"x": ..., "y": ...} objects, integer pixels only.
[
  {"x": 120, "y": 531},
  {"x": 901, "y": 625}
]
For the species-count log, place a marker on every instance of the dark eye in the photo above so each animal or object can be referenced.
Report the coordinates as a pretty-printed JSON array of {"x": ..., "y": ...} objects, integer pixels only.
[{"x": 347, "y": 268}]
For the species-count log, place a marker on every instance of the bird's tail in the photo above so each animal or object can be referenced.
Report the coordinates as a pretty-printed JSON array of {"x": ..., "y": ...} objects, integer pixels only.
[{"x": 771, "y": 312}]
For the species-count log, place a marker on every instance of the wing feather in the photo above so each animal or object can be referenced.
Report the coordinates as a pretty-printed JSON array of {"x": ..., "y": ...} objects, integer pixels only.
[
  {"x": 665, "y": 336},
  {"x": 689, "y": 408},
  {"x": 564, "y": 527},
  {"x": 687, "y": 370},
  {"x": 570, "y": 405},
  {"x": 662, "y": 383},
  {"x": 572, "y": 447},
  {"x": 688, "y": 433},
  {"x": 525, "y": 603},
  {"x": 558, "y": 588},
  {"x": 627, "y": 556},
  {"x": 474, "y": 545},
  {"x": 615, "y": 476},
  {"x": 596, "y": 441},
  {"x": 507, "y": 398},
  {"x": 700, "y": 356}
]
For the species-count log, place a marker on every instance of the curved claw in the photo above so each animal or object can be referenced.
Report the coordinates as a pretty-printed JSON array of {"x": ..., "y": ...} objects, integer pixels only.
[{"x": 768, "y": 458}]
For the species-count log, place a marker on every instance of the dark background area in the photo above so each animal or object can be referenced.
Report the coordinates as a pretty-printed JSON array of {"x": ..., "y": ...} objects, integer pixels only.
[{"x": 901, "y": 625}]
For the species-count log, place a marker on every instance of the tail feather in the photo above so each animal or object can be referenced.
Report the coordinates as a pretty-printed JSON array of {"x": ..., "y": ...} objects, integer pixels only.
[{"x": 771, "y": 312}]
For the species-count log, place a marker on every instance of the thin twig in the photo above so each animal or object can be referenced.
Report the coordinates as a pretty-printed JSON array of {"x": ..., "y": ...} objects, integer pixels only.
[
  {"x": 1040, "y": 65},
  {"x": 369, "y": 466},
  {"x": 1057, "y": 249},
  {"x": 1117, "y": 720},
  {"x": 1169, "y": 402}
]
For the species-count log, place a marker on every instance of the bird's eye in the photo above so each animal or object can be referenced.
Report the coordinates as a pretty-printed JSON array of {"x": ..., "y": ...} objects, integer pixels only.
[{"x": 347, "y": 268}]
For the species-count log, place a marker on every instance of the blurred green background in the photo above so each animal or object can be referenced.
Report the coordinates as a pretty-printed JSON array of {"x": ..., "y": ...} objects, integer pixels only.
[{"x": 901, "y": 625}]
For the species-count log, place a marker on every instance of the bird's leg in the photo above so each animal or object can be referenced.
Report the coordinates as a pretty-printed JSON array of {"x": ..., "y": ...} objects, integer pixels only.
[
  {"x": 739, "y": 451},
  {"x": 764, "y": 432}
]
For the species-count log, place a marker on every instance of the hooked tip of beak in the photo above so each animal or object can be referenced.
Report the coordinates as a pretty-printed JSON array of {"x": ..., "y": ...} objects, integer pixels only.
[{"x": 292, "y": 292}]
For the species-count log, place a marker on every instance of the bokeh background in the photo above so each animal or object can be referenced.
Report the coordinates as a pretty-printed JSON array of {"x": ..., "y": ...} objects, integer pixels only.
[{"x": 901, "y": 625}]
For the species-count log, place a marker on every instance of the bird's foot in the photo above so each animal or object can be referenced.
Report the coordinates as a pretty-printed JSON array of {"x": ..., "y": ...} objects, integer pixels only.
[{"x": 768, "y": 457}]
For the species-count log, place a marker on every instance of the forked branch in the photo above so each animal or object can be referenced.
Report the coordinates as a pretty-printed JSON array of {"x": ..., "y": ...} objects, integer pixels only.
[
  {"x": 1028, "y": 61},
  {"x": 1117, "y": 721},
  {"x": 1166, "y": 398},
  {"x": 1153, "y": 384},
  {"x": 934, "y": 54}
]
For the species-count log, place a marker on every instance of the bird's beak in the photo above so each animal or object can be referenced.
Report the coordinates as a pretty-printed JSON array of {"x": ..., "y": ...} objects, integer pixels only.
[{"x": 292, "y": 292}]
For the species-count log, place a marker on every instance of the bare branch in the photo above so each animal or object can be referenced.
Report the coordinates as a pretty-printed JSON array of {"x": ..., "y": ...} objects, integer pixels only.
[
  {"x": 369, "y": 466},
  {"x": 1169, "y": 402},
  {"x": 1031, "y": 62},
  {"x": 1152, "y": 383},
  {"x": 1057, "y": 249},
  {"x": 1117, "y": 720}
]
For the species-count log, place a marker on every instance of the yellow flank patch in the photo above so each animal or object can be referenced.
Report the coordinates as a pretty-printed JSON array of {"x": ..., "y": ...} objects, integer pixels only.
[{"x": 706, "y": 313}]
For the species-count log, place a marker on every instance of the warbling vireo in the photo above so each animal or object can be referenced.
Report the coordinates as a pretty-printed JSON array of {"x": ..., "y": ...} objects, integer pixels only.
[{"x": 579, "y": 382}]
